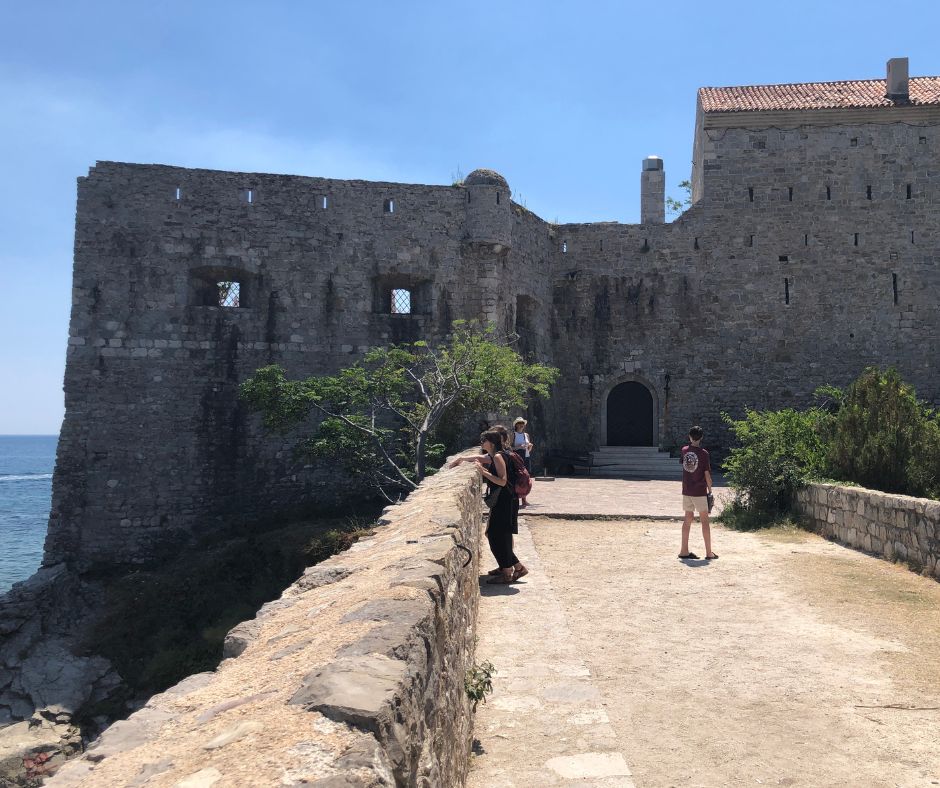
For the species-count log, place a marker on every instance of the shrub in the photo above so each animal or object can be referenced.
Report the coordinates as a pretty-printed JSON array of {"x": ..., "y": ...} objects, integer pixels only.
[
  {"x": 780, "y": 450},
  {"x": 883, "y": 437}
]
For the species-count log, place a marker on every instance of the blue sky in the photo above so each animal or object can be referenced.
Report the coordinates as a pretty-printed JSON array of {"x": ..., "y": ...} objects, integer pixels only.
[{"x": 565, "y": 99}]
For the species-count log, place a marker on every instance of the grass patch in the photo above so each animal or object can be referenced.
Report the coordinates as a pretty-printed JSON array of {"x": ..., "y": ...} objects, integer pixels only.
[
  {"x": 166, "y": 623},
  {"x": 739, "y": 517}
]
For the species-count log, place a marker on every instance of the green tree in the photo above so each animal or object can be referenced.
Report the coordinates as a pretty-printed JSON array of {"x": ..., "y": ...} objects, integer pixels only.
[
  {"x": 883, "y": 437},
  {"x": 779, "y": 451},
  {"x": 377, "y": 418},
  {"x": 675, "y": 207}
]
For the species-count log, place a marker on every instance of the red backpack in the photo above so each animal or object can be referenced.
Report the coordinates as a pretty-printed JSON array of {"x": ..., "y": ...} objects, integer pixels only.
[{"x": 517, "y": 475}]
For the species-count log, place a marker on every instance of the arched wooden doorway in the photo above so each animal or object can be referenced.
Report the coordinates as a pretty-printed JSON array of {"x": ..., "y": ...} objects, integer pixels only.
[{"x": 630, "y": 415}]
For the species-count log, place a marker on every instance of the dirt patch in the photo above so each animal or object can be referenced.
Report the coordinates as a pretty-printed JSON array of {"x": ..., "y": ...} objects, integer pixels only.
[{"x": 789, "y": 661}]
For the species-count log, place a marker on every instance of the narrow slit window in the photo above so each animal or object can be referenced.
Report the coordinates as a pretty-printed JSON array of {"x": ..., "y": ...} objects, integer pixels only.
[
  {"x": 325, "y": 202},
  {"x": 750, "y": 193},
  {"x": 497, "y": 198},
  {"x": 855, "y": 239},
  {"x": 248, "y": 195},
  {"x": 894, "y": 286},
  {"x": 179, "y": 193},
  {"x": 389, "y": 206},
  {"x": 229, "y": 293},
  {"x": 854, "y": 142},
  {"x": 786, "y": 290},
  {"x": 828, "y": 192},
  {"x": 401, "y": 301},
  {"x": 910, "y": 191},
  {"x": 868, "y": 192},
  {"x": 790, "y": 193},
  {"x": 912, "y": 236},
  {"x": 750, "y": 240},
  {"x": 251, "y": 195},
  {"x": 564, "y": 247},
  {"x": 922, "y": 140},
  {"x": 805, "y": 239},
  {"x": 784, "y": 258},
  {"x": 695, "y": 245}
]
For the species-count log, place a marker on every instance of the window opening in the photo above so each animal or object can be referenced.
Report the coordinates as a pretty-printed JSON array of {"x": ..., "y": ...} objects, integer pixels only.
[
  {"x": 784, "y": 258},
  {"x": 497, "y": 198},
  {"x": 894, "y": 286},
  {"x": 695, "y": 245},
  {"x": 401, "y": 302},
  {"x": 389, "y": 206},
  {"x": 786, "y": 290},
  {"x": 805, "y": 239},
  {"x": 750, "y": 193},
  {"x": 828, "y": 193},
  {"x": 855, "y": 241},
  {"x": 228, "y": 293},
  {"x": 750, "y": 240},
  {"x": 179, "y": 193},
  {"x": 922, "y": 140},
  {"x": 564, "y": 247},
  {"x": 912, "y": 236},
  {"x": 910, "y": 191},
  {"x": 790, "y": 194},
  {"x": 868, "y": 192},
  {"x": 854, "y": 142},
  {"x": 325, "y": 202}
]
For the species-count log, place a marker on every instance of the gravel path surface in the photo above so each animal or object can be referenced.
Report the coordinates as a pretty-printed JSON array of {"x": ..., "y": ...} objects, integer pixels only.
[{"x": 789, "y": 661}]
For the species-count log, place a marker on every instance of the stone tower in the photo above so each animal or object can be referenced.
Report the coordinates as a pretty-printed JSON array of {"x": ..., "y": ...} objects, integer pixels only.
[{"x": 653, "y": 191}]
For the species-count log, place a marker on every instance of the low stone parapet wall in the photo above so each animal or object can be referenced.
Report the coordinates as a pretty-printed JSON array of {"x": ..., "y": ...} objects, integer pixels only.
[
  {"x": 354, "y": 677},
  {"x": 892, "y": 526}
]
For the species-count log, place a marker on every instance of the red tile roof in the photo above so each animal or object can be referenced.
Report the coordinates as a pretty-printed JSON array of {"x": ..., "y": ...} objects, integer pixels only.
[{"x": 815, "y": 95}]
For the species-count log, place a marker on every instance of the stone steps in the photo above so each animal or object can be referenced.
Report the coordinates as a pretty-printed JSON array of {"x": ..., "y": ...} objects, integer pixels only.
[{"x": 634, "y": 462}]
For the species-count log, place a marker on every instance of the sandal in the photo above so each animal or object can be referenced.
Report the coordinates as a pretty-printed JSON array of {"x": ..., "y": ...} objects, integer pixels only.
[
  {"x": 687, "y": 556},
  {"x": 496, "y": 571},
  {"x": 517, "y": 573}
]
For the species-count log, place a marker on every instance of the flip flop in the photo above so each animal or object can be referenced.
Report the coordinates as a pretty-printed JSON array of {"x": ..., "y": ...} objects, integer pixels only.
[
  {"x": 711, "y": 557},
  {"x": 686, "y": 557}
]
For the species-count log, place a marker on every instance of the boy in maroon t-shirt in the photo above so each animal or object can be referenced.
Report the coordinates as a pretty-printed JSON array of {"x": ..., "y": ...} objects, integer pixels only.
[{"x": 696, "y": 487}]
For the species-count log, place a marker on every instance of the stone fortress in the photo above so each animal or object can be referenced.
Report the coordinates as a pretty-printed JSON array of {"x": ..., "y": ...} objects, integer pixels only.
[{"x": 811, "y": 249}]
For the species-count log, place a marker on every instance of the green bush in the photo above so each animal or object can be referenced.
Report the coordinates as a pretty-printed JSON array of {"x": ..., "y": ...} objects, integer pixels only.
[
  {"x": 883, "y": 437},
  {"x": 779, "y": 451}
]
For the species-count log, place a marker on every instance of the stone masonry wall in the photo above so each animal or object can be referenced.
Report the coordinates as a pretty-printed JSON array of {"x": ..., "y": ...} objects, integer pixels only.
[
  {"x": 354, "y": 677},
  {"x": 892, "y": 526},
  {"x": 810, "y": 253},
  {"x": 758, "y": 294},
  {"x": 156, "y": 447}
]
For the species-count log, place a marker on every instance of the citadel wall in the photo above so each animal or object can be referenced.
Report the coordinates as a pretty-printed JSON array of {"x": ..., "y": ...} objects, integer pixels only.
[
  {"x": 155, "y": 442},
  {"x": 811, "y": 252},
  {"x": 758, "y": 294}
]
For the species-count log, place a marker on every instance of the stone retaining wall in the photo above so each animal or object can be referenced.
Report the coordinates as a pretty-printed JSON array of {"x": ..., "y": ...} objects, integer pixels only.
[
  {"x": 892, "y": 526},
  {"x": 354, "y": 677}
]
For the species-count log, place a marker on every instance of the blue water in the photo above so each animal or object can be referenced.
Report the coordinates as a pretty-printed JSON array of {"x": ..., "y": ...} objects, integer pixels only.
[{"x": 26, "y": 463}]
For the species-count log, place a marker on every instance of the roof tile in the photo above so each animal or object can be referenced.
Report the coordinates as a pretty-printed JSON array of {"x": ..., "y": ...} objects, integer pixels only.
[{"x": 815, "y": 95}]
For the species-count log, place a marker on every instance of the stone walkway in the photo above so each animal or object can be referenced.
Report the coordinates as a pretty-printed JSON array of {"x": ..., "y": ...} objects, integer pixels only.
[
  {"x": 789, "y": 661},
  {"x": 577, "y": 498}
]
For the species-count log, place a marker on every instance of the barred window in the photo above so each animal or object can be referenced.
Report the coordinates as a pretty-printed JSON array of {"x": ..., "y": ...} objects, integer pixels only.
[
  {"x": 401, "y": 302},
  {"x": 229, "y": 293}
]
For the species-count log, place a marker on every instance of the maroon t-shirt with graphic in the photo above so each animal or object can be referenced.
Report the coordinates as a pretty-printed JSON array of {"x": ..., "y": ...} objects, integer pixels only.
[{"x": 695, "y": 462}]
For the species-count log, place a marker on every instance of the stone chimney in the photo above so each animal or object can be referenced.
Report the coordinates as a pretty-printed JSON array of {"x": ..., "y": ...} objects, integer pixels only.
[
  {"x": 653, "y": 191},
  {"x": 897, "y": 80}
]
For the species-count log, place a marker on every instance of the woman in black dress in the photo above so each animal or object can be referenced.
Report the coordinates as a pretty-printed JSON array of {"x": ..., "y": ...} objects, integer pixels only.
[{"x": 499, "y": 528}]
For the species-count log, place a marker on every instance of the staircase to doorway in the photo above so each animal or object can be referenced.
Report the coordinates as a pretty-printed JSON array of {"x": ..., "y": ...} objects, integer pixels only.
[{"x": 634, "y": 462}]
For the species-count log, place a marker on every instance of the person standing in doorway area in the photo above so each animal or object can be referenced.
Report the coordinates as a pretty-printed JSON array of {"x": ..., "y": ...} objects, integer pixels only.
[
  {"x": 696, "y": 487},
  {"x": 522, "y": 446}
]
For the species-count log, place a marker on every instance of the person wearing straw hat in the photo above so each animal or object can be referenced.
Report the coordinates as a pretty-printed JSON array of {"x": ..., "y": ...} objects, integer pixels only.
[{"x": 522, "y": 446}]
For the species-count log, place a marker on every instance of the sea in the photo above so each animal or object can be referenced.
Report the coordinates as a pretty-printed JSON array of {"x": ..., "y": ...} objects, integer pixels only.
[{"x": 26, "y": 463}]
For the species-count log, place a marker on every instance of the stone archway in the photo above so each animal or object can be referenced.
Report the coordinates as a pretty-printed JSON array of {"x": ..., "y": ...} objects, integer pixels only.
[{"x": 629, "y": 415}]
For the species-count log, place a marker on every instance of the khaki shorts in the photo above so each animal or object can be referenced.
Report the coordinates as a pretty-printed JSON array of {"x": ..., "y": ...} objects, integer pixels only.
[{"x": 699, "y": 503}]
